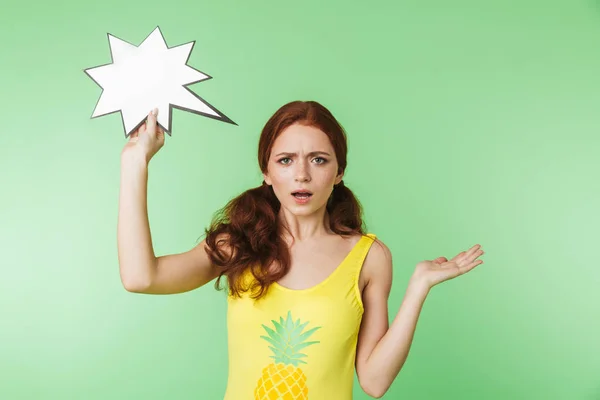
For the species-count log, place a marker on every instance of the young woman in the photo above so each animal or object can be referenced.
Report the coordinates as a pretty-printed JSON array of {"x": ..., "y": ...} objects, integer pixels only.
[{"x": 307, "y": 286}]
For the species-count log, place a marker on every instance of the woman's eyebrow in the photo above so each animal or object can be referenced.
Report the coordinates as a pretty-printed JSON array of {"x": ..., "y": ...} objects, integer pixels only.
[{"x": 312, "y": 153}]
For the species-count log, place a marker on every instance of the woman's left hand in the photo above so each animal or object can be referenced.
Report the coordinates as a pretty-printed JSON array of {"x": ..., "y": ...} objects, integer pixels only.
[{"x": 431, "y": 272}]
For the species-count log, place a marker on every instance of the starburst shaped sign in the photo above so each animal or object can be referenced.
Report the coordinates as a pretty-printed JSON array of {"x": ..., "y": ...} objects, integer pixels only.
[{"x": 151, "y": 75}]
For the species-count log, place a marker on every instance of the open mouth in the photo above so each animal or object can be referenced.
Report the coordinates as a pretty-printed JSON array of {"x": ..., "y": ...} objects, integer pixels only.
[{"x": 301, "y": 195}]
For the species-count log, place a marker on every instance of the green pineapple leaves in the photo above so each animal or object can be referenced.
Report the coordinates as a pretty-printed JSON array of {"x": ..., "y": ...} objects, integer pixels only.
[{"x": 288, "y": 339}]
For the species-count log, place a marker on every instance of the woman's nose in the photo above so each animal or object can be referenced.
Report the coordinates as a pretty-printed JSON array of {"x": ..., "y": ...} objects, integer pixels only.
[{"x": 302, "y": 174}]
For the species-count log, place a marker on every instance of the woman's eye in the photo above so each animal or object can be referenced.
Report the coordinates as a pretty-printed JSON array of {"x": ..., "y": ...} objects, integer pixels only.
[{"x": 284, "y": 162}]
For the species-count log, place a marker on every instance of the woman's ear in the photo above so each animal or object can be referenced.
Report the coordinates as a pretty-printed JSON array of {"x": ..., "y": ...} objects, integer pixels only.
[
  {"x": 266, "y": 179},
  {"x": 339, "y": 178}
]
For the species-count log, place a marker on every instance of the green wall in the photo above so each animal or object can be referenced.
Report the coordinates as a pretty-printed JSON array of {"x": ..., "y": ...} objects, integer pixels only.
[{"x": 468, "y": 122}]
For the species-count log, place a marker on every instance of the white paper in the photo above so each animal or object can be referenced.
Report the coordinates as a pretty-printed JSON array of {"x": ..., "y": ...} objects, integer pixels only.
[{"x": 149, "y": 76}]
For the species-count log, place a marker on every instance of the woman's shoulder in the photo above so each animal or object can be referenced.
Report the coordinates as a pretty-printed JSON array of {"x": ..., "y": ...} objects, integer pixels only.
[
  {"x": 378, "y": 261},
  {"x": 357, "y": 237}
]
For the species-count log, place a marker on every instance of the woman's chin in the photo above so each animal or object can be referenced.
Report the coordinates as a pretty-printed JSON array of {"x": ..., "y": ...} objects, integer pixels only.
[{"x": 303, "y": 209}]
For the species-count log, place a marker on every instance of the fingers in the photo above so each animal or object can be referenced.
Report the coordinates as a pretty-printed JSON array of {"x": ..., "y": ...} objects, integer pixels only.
[
  {"x": 470, "y": 266},
  {"x": 440, "y": 260},
  {"x": 133, "y": 137},
  {"x": 472, "y": 250},
  {"x": 458, "y": 256},
  {"x": 470, "y": 256},
  {"x": 151, "y": 124}
]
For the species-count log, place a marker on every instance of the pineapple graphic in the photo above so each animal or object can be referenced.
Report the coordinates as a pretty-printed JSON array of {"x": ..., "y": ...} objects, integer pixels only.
[{"x": 283, "y": 379}]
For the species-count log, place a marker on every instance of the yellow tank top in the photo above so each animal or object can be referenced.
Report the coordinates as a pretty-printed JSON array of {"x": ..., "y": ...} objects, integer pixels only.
[{"x": 298, "y": 344}]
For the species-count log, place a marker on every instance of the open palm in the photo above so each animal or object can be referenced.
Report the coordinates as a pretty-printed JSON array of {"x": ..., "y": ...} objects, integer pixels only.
[{"x": 432, "y": 272}]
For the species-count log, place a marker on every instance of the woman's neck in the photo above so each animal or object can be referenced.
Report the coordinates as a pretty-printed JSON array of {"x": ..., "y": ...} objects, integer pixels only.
[{"x": 305, "y": 227}]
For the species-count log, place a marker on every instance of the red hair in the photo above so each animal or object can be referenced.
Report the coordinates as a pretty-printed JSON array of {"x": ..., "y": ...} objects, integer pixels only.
[{"x": 245, "y": 234}]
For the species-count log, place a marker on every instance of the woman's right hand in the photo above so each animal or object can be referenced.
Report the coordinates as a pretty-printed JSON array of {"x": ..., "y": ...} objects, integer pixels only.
[{"x": 146, "y": 141}]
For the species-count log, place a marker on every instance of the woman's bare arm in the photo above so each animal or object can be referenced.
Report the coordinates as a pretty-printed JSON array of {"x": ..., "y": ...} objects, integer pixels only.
[{"x": 140, "y": 270}]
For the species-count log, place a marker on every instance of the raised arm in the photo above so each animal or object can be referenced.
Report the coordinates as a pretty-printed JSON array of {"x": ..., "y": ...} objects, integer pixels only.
[{"x": 140, "y": 269}]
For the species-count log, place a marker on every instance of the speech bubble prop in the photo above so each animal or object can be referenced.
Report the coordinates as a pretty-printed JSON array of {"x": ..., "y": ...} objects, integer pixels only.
[{"x": 151, "y": 75}]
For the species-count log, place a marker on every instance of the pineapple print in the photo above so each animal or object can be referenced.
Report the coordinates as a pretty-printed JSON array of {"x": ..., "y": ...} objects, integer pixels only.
[{"x": 283, "y": 379}]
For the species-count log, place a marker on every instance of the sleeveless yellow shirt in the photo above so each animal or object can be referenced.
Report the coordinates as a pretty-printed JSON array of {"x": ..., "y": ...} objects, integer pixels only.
[{"x": 298, "y": 344}]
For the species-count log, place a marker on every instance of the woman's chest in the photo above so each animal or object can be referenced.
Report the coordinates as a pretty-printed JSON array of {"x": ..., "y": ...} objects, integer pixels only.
[{"x": 311, "y": 265}]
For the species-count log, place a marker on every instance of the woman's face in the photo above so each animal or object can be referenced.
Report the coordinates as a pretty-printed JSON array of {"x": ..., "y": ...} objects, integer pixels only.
[{"x": 302, "y": 158}]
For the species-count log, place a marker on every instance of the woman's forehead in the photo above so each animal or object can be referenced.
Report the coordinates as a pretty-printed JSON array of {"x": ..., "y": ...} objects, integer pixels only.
[{"x": 302, "y": 138}]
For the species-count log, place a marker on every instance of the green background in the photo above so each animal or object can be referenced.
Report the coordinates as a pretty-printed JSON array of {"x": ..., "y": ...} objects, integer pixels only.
[{"x": 468, "y": 122}]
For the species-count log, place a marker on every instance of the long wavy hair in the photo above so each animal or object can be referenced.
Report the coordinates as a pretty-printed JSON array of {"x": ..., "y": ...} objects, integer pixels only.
[{"x": 245, "y": 235}]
